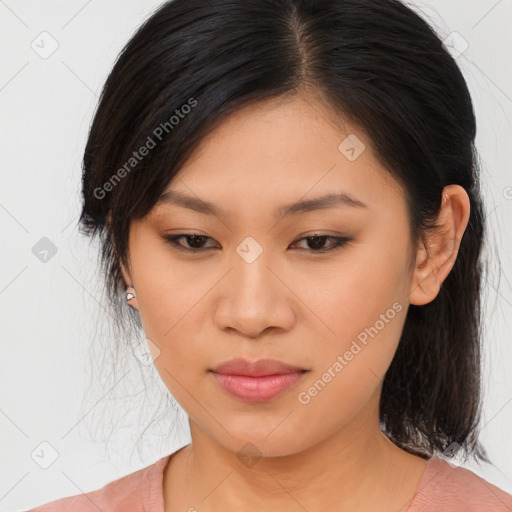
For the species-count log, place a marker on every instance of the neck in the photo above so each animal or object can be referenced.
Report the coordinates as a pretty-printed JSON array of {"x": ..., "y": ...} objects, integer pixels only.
[{"x": 356, "y": 469}]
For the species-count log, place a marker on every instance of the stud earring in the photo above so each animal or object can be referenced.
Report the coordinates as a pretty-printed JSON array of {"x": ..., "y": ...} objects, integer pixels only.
[{"x": 130, "y": 295}]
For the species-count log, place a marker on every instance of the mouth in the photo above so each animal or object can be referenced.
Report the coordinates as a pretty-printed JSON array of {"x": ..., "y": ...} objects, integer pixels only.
[{"x": 259, "y": 381}]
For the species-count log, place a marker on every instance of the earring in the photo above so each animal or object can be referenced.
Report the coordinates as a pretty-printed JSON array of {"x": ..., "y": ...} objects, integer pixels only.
[{"x": 130, "y": 295}]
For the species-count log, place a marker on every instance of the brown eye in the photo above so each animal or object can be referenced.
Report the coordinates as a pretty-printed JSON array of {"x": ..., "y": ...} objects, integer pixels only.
[
  {"x": 317, "y": 242},
  {"x": 195, "y": 242}
]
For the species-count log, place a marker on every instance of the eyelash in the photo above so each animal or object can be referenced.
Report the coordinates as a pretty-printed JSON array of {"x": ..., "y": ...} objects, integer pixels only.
[{"x": 339, "y": 242}]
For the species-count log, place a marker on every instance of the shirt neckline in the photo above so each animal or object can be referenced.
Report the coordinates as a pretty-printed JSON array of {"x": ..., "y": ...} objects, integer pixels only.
[
  {"x": 151, "y": 484},
  {"x": 423, "y": 482}
]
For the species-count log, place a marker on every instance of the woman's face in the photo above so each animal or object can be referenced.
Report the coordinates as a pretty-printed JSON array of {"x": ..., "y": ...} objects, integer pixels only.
[{"x": 257, "y": 287}]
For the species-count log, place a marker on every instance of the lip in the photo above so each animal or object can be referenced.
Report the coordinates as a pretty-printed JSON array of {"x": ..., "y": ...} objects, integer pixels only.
[
  {"x": 258, "y": 381},
  {"x": 262, "y": 367}
]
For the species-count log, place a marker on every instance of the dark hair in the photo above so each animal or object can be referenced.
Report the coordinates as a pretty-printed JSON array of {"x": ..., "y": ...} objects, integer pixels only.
[{"x": 375, "y": 63}]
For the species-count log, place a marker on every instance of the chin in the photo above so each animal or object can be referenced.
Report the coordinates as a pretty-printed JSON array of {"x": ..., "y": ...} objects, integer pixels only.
[{"x": 262, "y": 445}]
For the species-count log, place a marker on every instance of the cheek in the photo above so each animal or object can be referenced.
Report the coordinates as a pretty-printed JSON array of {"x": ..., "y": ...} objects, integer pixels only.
[
  {"x": 360, "y": 310},
  {"x": 172, "y": 324},
  {"x": 365, "y": 315},
  {"x": 170, "y": 301},
  {"x": 167, "y": 290},
  {"x": 350, "y": 298},
  {"x": 171, "y": 317}
]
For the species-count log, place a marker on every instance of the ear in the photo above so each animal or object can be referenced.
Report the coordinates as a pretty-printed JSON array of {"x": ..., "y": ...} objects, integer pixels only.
[
  {"x": 125, "y": 272},
  {"x": 437, "y": 254}
]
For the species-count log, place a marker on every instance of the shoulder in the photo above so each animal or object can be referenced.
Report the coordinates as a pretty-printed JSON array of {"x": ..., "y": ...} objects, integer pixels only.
[
  {"x": 447, "y": 488},
  {"x": 136, "y": 491}
]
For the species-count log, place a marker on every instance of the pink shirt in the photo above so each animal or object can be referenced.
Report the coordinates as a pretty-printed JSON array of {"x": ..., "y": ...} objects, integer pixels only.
[{"x": 443, "y": 488}]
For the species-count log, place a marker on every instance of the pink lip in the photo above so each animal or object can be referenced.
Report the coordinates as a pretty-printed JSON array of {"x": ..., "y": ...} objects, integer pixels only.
[
  {"x": 258, "y": 368},
  {"x": 259, "y": 381},
  {"x": 257, "y": 389}
]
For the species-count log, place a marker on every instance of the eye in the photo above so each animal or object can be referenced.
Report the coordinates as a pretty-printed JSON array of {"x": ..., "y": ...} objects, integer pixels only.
[
  {"x": 196, "y": 242},
  {"x": 318, "y": 241}
]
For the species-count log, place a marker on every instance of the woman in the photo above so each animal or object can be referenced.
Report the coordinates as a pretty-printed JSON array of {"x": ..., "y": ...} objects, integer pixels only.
[{"x": 287, "y": 195}]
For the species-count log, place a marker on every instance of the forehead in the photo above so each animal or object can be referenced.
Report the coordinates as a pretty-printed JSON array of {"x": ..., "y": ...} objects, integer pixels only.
[{"x": 271, "y": 154}]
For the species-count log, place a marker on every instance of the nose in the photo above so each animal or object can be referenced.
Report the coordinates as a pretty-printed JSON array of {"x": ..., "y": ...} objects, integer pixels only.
[{"x": 254, "y": 299}]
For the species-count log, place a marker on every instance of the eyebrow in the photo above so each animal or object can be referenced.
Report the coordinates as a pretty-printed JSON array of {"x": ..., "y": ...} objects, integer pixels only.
[{"x": 327, "y": 201}]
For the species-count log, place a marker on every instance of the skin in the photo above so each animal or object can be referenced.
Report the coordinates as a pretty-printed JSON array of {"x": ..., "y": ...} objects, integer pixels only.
[{"x": 293, "y": 304}]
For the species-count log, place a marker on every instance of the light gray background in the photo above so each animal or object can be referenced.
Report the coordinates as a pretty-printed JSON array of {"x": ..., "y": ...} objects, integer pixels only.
[{"x": 49, "y": 309}]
